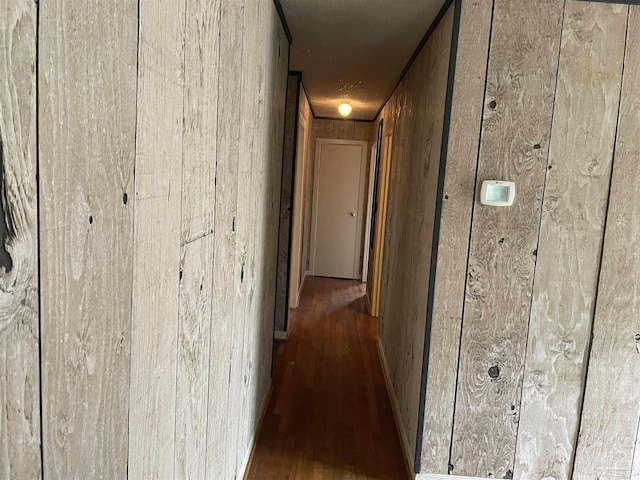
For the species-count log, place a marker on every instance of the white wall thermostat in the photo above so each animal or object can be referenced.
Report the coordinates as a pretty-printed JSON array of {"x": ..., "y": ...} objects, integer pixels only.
[{"x": 497, "y": 193}]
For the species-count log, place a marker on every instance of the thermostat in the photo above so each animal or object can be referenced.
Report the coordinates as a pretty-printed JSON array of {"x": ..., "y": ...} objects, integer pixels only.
[{"x": 497, "y": 193}]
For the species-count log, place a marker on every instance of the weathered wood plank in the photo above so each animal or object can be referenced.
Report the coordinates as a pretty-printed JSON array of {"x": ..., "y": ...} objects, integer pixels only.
[
  {"x": 86, "y": 86},
  {"x": 194, "y": 337},
  {"x": 221, "y": 454},
  {"x": 154, "y": 341},
  {"x": 571, "y": 232},
  {"x": 611, "y": 413},
  {"x": 415, "y": 116},
  {"x": 457, "y": 205},
  {"x": 286, "y": 200},
  {"x": 86, "y": 235},
  {"x": 250, "y": 237},
  {"x": 521, "y": 82},
  {"x": 20, "y": 434},
  {"x": 198, "y": 209}
]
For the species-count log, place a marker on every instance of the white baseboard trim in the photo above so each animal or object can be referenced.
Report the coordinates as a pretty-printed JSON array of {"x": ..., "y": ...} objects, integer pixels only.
[
  {"x": 408, "y": 456},
  {"x": 281, "y": 335},
  {"x": 254, "y": 439},
  {"x": 436, "y": 476},
  {"x": 304, "y": 280}
]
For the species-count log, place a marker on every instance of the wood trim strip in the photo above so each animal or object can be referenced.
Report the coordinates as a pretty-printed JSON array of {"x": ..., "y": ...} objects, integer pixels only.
[{"x": 283, "y": 20}]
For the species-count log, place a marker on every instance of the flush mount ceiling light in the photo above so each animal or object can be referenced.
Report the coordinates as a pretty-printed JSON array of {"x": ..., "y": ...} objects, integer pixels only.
[{"x": 344, "y": 109}]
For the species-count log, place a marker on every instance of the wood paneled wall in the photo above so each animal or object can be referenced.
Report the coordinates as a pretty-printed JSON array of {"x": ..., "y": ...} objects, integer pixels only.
[
  {"x": 153, "y": 190},
  {"x": 533, "y": 359},
  {"x": 415, "y": 117}
]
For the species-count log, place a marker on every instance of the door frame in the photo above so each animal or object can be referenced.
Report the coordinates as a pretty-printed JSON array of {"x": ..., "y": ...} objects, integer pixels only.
[
  {"x": 359, "y": 244},
  {"x": 367, "y": 228},
  {"x": 295, "y": 257},
  {"x": 381, "y": 219}
]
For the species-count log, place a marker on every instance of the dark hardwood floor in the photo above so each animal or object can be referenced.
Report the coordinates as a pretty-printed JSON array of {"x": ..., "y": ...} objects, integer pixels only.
[{"x": 329, "y": 416}]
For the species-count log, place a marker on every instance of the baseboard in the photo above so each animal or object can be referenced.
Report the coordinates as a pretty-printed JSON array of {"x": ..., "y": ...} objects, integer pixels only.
[
  {"x": 304, "y": 280},
  {"x": 281, "y": 335},
  {"x": 256, "y": 435},
  {"x": 368, "y": 302},
  {"x": 408, "y": 456}
]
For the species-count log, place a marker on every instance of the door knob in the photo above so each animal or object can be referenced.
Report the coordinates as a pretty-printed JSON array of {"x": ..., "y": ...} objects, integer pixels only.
[{"x": 353, "y": 214}]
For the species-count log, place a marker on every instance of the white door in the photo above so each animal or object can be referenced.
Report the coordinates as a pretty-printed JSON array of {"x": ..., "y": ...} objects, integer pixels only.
[{"x": 338, "y": 206}]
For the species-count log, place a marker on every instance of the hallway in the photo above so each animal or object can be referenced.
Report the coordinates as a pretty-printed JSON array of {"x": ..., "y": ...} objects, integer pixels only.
[{"x": 329, "y": 416}]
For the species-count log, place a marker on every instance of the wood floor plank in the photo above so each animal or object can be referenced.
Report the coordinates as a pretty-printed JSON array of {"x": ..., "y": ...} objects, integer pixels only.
[{"x": 329, "y": 416}]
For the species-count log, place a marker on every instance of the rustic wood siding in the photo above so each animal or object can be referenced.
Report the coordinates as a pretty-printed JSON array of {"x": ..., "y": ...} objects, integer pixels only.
[
  {"x": 459, "y": 183},
  {"x": 549, "y": 306},
  {"x": 153, "y": 189},
  {"x": 19, "y": 296},
  {"x": 611, "y": 416},
  {"x": 573, "y": 215},
  {"x": 415, "y": 115}
]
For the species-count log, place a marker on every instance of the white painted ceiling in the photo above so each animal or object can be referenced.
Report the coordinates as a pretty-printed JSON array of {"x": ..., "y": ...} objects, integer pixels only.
[{"x": 354, "y": 50}]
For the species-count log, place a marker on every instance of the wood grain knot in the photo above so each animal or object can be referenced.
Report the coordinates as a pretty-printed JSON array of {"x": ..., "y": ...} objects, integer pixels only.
[{"x": 494, "y": 371}]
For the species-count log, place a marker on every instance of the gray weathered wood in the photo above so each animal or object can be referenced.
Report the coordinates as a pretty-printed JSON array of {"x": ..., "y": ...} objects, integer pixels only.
[
  {"x": 521, "y": 82},
  {"x": 154, "y": 339},
  {"x": 611, "y": 414},
  {"x": 571, "y": 232},
  {"x": 86, "y": 87},
  {"x": 20, "y": 434},
  {"x": 415, "y": 115},
  {"x": 462, "y": 160},
  {"x": 223, "y": 412},
  {"x": 343, "y": 129},
  {"x": 197, "y": 241}
]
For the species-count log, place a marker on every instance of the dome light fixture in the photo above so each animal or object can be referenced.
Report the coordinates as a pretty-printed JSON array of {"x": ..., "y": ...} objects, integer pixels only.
[{"x": 345, "y": 109}]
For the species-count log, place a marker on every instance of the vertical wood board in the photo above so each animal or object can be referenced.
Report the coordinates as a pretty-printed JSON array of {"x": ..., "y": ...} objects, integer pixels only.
[
  {"x": 20, "y": 434},
  {"x": 611, "y": 413},
  {"x": 159, "y": 149},
  {"x": 197, "y": 241},
  {"x": 519, "y": 96},
  {"x": 457, "y": 205},
  {"x": 87, "y": 84},
  {"x": 573, "y": 215}
]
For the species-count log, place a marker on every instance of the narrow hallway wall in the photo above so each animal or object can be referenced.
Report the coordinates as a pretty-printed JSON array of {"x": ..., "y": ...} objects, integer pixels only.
[
  {"x": 415, "y": 117},
  {"x": 160, "y": 133},
  {"x": 533, "y": 356}
]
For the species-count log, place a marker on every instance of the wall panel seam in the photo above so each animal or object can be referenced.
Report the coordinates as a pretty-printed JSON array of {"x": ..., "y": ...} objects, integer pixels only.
[
  {"x": 133, "y": 232},
  {"x": 182, "y": 242},
  {"x": 213, "y": 263}
]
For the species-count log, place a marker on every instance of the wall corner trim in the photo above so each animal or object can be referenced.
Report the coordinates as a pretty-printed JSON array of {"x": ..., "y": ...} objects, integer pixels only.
[{"x": 283, "y": 20}]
